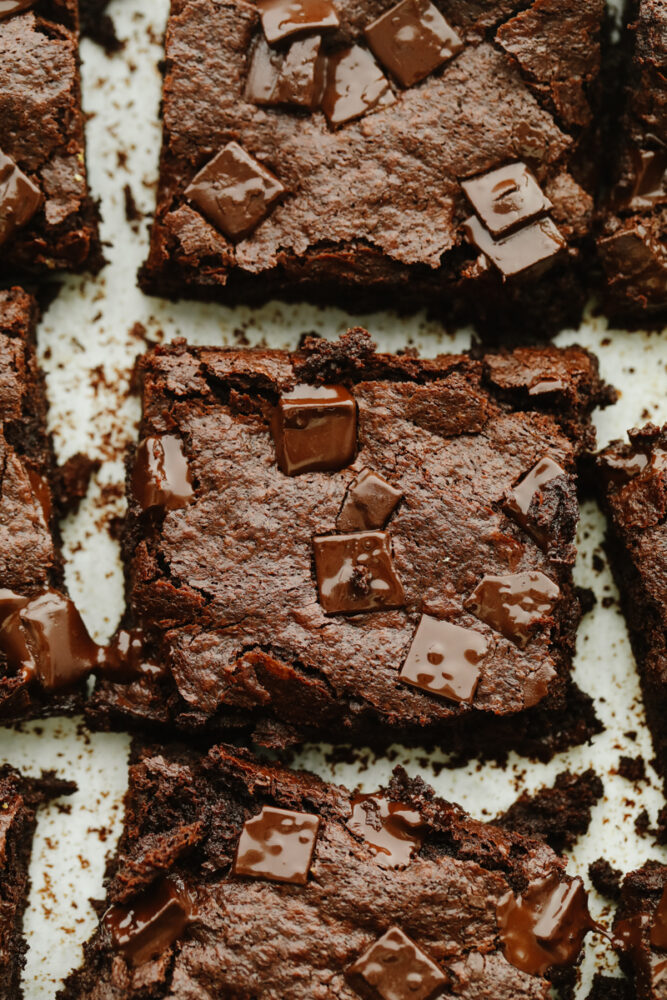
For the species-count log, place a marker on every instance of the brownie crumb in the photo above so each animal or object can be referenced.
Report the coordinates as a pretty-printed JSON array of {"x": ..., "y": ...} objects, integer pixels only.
[
  {"x": 557, "y": 814},
  {"x": 606, "y": 879},
  {"x": 643, "y": 824},
  {"x": 73, "y": 480},
  {"x": 98, "y": 26},
  {"x": 632, "y": 768},
  {"x": 610, "y": 988},
  {"x": 587, "y": 599}
]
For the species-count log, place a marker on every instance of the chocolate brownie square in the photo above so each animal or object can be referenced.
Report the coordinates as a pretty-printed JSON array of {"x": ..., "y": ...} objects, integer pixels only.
[
  {"x": 355, "y": 545},
  {"x": 45, "y": 650},
  {"x": 47, "y": 218},
  {"x": 640, "y": 930},
  {"x": 633, "y": 494},
  {"x": 237, "y": 879},
  {"x": 366, "y": 153},
  {"x": 632, "y": 243},
  {"x": 19, "y": 799}
]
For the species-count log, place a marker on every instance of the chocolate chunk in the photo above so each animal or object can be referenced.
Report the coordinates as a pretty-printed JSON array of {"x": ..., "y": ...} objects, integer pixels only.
[
  {"x": 392, "y": 830},
  {"x": 443, "y": 659},
  {"x": 234, "y": 191},
  {"x": 10, "y": 7},
  {"x": 397, "y": 969},
  {"x": 659, "y": 925},
  {"x": 650, "y": 186},
  {"x": 546, "y": 384},
  {"x": 42, "y": 493},
  {"x": 355, "y": 572},
  {"x": 47, "y": 640},
  {"x": 125, "y": 659},
  {"x": 282, "y": 18},
  {"x": 291, "y": 77},
  {"x": 514, "y": 604},
  {"x": 545, "y": 925},
  {"x": 315, "y": 429},
  {"x": 161, "y": 476},
  {"x": 531, "y": 245},
  {"x": 506, "y": 198},
  {"x": 528, "y": 492},
  {"x": 151, "y": 923},
  {"x": 20, "y": 198},
  {"x": 622, "y": 467},
  {"x": 412, "y": 39},
  {"x": 10, "y": 602},
  {"x": 277, "y": 844},
  {"x": 353, "y": 86},
  {"x": 369, "y": 503}
]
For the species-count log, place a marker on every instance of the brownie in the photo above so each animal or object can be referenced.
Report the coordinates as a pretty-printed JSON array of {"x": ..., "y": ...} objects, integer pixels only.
[
  {"x": 366, "y": 153},
  {"x": 640, "y": 930},
  {"x": 633, "y": 493},
  {"x": 47, "y": 218},
  {"x": 234, "y": 878},
  {"x": 355, "y": 545},
  {"x": 632, "y": 243},
  {"x": 45, "y": 650},
  {"x": 19, "y": 799}
]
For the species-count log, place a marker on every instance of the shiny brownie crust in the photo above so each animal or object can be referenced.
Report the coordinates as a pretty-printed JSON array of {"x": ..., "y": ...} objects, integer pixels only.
[
  {"x": 225, "y": 590},
  {"x": 374, "y": 212}
]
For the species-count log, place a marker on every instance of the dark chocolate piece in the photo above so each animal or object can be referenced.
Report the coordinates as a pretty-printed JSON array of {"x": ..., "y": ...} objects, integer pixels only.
[
  {"x": 10, "y": 7},
  {"x": 412, "y": 39},
  {"x": 506, "y": 198},
  {"x": 125, "y": 658},
  {"x": 514, "y": 604},
  {"x": 283, "y": 18},
  {"x": 354, "y": 85},
  {"x": 393, "y": 831},
  {"x": 291, "y": 77},
  {"x": 649, "y": 187},
  {"x": 527, "y": 492},
  {"x": 369, "y": 503},
  {"x": 545, "y": 925},
  {"x": 161, "y": 475},
  {"x": 444, "y": 658},
  {"x": 20, "y": 198},
  {"x": 659, "y": 925},
  {"x": 235, "y": 191},
  {"x": 397, "y": 969},
  {"x": 315, "y": 429},
  {"x": 355, "y": 572},
  {"x": 534, "y": 244},
  {"x": 277, "y": 844},
  {"x": 150, "y": 923}
]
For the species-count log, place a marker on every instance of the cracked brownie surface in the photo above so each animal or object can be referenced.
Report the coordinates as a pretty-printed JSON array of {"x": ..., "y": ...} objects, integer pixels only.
[
  {"x": 397, "y": 873},
  {"x": 370, "y": 207},
  {"x": 422, "y": 582}
]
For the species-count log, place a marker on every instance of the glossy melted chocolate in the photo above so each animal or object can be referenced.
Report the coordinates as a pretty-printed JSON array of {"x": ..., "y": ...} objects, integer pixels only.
[
  {"x": 355, "y": 572},
  {"x": 151, "y": 923},
  {"x": 315, "y": 429},
  {"x": 369, "y": 503},
  {"x": 278, "y": 844},
  {"x": 527, "y": 492},
  {"x": 506, "y": 198},
  {"x": 397, "y": 969},
  {"x": 161, "y": 477},
  {"x": 514, "y": 604},
  {"x": 392, "y": 830},
  {"x": 443, "y": 659},
  {"x": 283, "y": 18},
  {"x": 20, "y": 198},
  {"x": 412, "y": 39}
]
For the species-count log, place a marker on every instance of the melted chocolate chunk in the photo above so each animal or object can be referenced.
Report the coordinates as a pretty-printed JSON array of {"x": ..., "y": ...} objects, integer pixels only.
[
  {"x": 42, "y": 493},
  {"x": 277, "y": 844},
  {"x": 392, "y": 830},
  {"x": 397, "y": 969},
  {"x": 10, "y": 602},
  {"x": 514, "y": 604},
  {"x": 353, "y": 86},
  {"x": 650, "y": 187},
  {"x": 161, "y": 476},
  {"x": 545, "y": 385},
  {"x": 506, "y": 198},
  {"x": 47, "y": 640},
  {"x": 291, "y": 77},
  {"x": 355, "y": 572},
  {"x": 10, "y": 7},
  {"x": 315, "y": 429},
  {"x": 125, "y": 659},
  {"x": 443, "y": 659},
  {"x": 369, "y": 503},
  {"x": 412, "y": 39},
  {"x": 545, "y": 925},
  {"x": 20, "y": 198},
  {"x": 623, "y": 467},
  {"x": 659, "y": 925},
  {"x": 533, "y": 244},
  {"x": 282, "y": 18},
  {"x": 235, "y": 191},
  {"x": 151, "y": 923},
  {"x": 527, "y": 493}
]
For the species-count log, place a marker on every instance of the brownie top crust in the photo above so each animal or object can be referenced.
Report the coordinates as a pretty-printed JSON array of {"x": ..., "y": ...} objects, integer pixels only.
[
  {"x": 233, "y": 878},
  {"x": 448, "y": 516}
]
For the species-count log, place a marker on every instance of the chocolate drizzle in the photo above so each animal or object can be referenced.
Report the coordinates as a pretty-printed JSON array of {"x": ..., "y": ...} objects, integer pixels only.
[
  {"x": 152, "y": 922},
  {"x": 392, "y": 830},
  {"x": 314, "y": 429},
  {"x": 277, "y": 844},
  {"x": 515, "y": 604},
  {"x": 397, "y": 969},
  {"x": 161, "y": 476},
  {"x": 443, "y": 659},
  {"x": 355, "y": 572}
]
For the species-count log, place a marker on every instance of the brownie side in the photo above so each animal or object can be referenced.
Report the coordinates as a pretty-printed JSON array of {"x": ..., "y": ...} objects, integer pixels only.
[
  {"x": 633, "y": 493},
  {"x": 374, "y": 211},
  {"x": 632, "y": 241},
  {"x": 254, "y": 936},
  {"x": 224, "y": 587},
  {"x": 19, "y": 799},
  {"x": 639, "y": 930},
  {"x": 42, "y": 132}
]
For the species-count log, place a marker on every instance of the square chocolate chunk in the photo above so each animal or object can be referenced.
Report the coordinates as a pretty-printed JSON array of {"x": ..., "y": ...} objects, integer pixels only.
[
  {"x": 277, "y": 844},
  {"x": 412, "y": 39},
  {"x": 284, "y": 18},
  {"x": 506, "y": 198}
]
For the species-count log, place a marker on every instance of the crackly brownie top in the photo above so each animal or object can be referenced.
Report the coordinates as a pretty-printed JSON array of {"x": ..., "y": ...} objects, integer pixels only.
[
  {"x": 635, "y": 491},
  {"x": 233, "y": 878},
  {"x": 290, "y": 127},
  {"x": 324, "y": 520}
]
